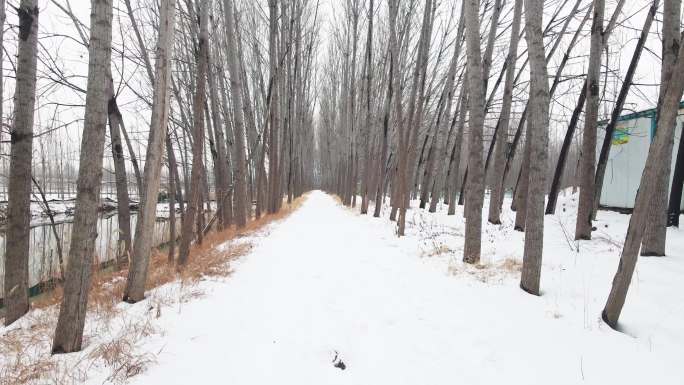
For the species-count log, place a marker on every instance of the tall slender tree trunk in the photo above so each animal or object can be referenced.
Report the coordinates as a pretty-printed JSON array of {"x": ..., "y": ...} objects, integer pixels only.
[
  {"x": 194, "y": 196},
  {"x": 669, "y": 108},
  {"x": 502, "y": 130},
  {"x": 274, "y": 121},
  {"x": 655, "y": 235},
  {"x": 72, "y": 312},
  {"x": 409, "y": 132},
  {"x": 436, "y": 168},
  {"x": 588, "y": 166},
  {"x": 617, "y": 109},
  {"x": 240, "y": 194},
  {"x": 140, "y": 259},
  {"x": 366, "y": 176},
  {"x": 398, "y": 108},
  {"x": 173, "y": 196},
  {"x": 674, "y": 207},
  {"x": 19, "y": 191},
  {"x": 123, "y": 210},
  {"x": 519, "y": 203},
  {"x": 453, "y": 175},
  {"x": 475, "y": 188},
  {"x": 537, "y": 130},
  {"x": 220, "y": 163},
  {"x": 382, "y": 164},
  {"x": 574, "y": 119}
]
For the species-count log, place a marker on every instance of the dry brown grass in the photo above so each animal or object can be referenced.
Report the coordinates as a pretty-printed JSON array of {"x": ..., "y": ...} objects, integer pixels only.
[
  {"x": 488, "y": 272},
  {"x": 25, "y": 356}
]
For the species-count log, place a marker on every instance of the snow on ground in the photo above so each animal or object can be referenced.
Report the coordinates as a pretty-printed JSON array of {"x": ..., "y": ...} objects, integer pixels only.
[{"x": 327, "y": 282}]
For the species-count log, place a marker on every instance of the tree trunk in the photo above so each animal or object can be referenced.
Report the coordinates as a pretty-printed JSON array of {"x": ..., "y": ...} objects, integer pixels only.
[
  {"x": 19, "y": 191},
  {"x": 504, "y": 120},
  {"x": 455, "y": 157},
  {"x": 274, "y": 121},
  {"x": 537, "y": 130},
  {"x": 669, "y": 108},
  {"x": 140, "y": 258},
  {"x": 574, "y": 119},
  {"x": 195, "y": 194},
  {"x": 220, "y": 163},
  {"x": 382, "y": 164},
  {"x": 240, "y": 194},
  {"x": 583, "y": 226},
  {"x": 366, "y": 176},
  {"x": 172, "y": 199},
  {"x": 444, "y": 113},
  {"x": 475, "y": 188},
  {"x": 123, "y": 210},
  {"x": 72, "y": 312},
  {"x": 674, "y": 207},
  {"x": 655, "y": 234},
  {"x": 409, "y": 132},
  {"x": 617, "y": 109}
]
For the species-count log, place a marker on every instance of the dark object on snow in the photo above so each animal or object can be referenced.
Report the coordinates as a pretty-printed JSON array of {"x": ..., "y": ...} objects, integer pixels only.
[{"x": 338, "y": 363}]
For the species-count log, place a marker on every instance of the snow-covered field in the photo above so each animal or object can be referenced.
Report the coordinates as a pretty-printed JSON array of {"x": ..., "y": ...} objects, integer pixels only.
[{"x": 327, "y": 284}]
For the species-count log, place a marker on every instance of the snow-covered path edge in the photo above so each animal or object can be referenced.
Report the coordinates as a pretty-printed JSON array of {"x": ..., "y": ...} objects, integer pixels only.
[{"x": 327, "y": 282}]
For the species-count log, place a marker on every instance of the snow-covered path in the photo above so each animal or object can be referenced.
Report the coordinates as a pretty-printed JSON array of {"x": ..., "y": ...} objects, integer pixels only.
[{"x": 325, "y": 280}]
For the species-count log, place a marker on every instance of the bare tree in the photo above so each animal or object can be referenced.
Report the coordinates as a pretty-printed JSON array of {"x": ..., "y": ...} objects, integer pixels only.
[
  {"x": 504, "y": 120},
  {"x": 19, "y": 192},
  {"x": 537, "y": 130},
  {"x": 475, "y": 188},
  {"x": 137, "y": 272},
  {"x": 409, "y": 130},
  {"x": 617, "y": 109},
  {"x": 668, "y": 109},
  {"x": 588, "y": 162},
  {"x": 240, "y": 195},
  {"x": 72, "y": 312},
  {"x": 123, "y": 210},
  {"x": 274, "y": 121},
  {"x": 194, "y": 195},
  {"x": 656, "y": 228},
  {"x": 368, "y": 127}
]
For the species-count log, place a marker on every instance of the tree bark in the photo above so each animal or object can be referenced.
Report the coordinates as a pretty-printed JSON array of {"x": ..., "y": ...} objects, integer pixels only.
[
  {"x": 504, "y": 120},
  {"x": 655, "y": 235},
  {"x": 669, "y": 108},
  {"x": 455, "y": 157},
  {"x": 72, "y": 312},
  {"x": 194, "y": 196},
  {"x": 537, "y": 129},
  {"x": 382, "y": 167},
  {"x": 409, "y": 132},
  {"x": 222, "y": 177},
  {"x": 123, "y": 209},
  {"x": 171, "y": 159},
  {"x": 674, "y": 207},
  {"x": 574, "y": 119},
  {"x": 140, "y": 258},
  {"x": 583, "y": 226},
  {"x": 19, "y": 191},
  {"x": 366, "y": 177},
  {"x": 475, "y": 188},
  {"x": 617, "y": 109},
  {"x": 240, "y": 194},
  {"x": 444, "y": 113},
  {"x": 274, "y": 121}
]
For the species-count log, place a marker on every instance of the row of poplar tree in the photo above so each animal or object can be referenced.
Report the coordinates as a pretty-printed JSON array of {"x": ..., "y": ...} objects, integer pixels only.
[
  {"x": 207, "y": 81},
  {"x": 395, "y": 122}
]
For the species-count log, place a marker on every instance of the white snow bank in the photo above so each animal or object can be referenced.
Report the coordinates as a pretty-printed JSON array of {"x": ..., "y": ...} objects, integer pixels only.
[{"x": 329, "y": 282}]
